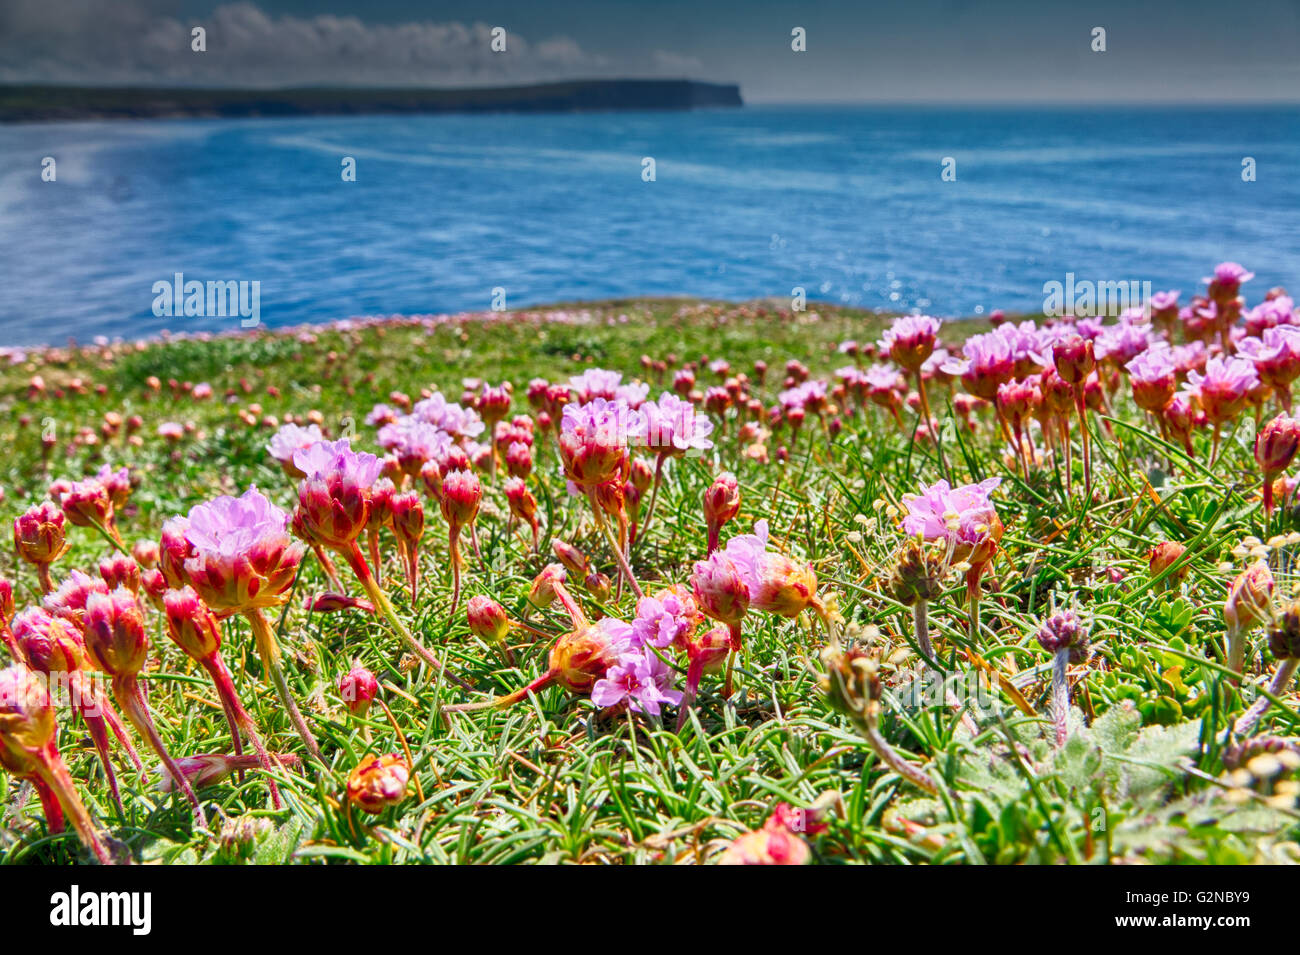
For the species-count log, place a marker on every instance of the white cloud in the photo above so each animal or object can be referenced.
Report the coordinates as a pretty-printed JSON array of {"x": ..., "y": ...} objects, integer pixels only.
[
  {"x": 135, "y": 41},
  {"x": 675, "y": 64}
]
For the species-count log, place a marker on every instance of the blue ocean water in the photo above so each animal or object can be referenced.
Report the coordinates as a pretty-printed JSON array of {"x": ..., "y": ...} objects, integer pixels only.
[{"x": 845, "y": 202}]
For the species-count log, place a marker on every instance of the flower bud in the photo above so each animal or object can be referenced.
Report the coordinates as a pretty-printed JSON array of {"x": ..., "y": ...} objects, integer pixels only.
[
  {"x": 39, "y": 534},
  {"x": 6, "y": 600},
  {"x": 641, "y": 475},
  {"x": 206, "y": 769},
  {"x": 155, "y": 586},
  {"x": 191, "y": 624},
  {"x": 330, "y": 602},
  {"x": 381, "y": 499},
  {"x": 173, "y": 549},
  {"x": 581, "y": 656},
  {"x": 710, "y": 649},
  {"x": 117, "y": 484},
  {"x": 1276, "y": 445},
  {"x": 919, "y": 573},
  {"x": 50, "y": 644},
  {"x": 542, "y": 593},
  {"x": 598, "y": 585},
  {"x": 786, "y": 587},
  {"x": 522, "y": 503},
  {"x": 488, "y": 620},
  {"x": 721, "y": 503},
  {"x": 87, "y": 504},
  {"x": 719, "y": 589},
  {"x": 1250, "y": 597},
  {"x": 1163, "y": 556},
  {"x": 70, "y": 599},
  {"x": 1073, "y": 358},
  {"x": 378, "y": 782},
  {"x": 1064, "y": 631},
  {"x": 461, "y": 495},
  {"x": 358, "y": 689},
  {"x": 120, "y": 570},
  {"x": 27, "y": 725},
  {"x": 145, "y": 553},
  {"x": 574, "y": 560},
  {"x": 519, "y": 459},
  {"x": 115, "y": 635},
  {"x": 408, "y": 518}
]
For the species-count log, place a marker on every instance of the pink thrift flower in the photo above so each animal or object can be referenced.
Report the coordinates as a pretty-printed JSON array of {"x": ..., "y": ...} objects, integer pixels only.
[
  {"x": 672, "y": 426},
  {"x": 986, "y": 363},
  {"x": 962, "y": 516},
  {"x": 1224, "y": 387},
  {"x": 456, "y": 421},
  {"x": 641, "y": 680},
  {"x": 910, "y": 341},
  {"x": 662, "y": 621},
  {"x": 290, "y": 439}
]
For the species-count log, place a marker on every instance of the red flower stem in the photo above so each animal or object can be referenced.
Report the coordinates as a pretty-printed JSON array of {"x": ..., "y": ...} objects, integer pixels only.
[
  {"x": 453, "y": 545},
  {"x": 89, "y": 690},
  {"x": 1064, "y": 439},
  {"x": 414, "y": 573},
  {"x": 473, "y": 539},
  {"x": 238, "y": 718},
  {"x": 43, "y": 574},
  {"x": 694, "y": 673},
  {"x": 53, "y": 772},
  {"x": 571, "y": 606},
  {"x": 372, "y": 538},
  {"x": 129, "y": 696},
  {"x": 50, "y": 804},
  {"x": 15, "y": 649},
  {"x": 1085, "y": 440},
  {"x": 92, "y": 715},
  {"x": 268, "y": 649},
  {"x": 654, "y": 493},
  {"x": 614, "y": 546},
  {"x": 501, "y": 702},
  {"x": 737, "y": 644},
  {"x": 328, "y": 566},
  {"x": 385, "y": 607},
  {"x": 929, "y": 422}
]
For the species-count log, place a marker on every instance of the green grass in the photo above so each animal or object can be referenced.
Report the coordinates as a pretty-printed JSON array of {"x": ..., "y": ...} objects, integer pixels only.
[{"x": 554, "y": 780}]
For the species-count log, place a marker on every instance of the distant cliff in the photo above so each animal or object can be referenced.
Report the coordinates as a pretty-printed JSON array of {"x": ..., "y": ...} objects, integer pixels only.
[{"x": 28, "y": 103}]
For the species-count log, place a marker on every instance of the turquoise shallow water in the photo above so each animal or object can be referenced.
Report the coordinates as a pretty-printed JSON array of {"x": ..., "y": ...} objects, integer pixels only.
[{"x": 847, "y": 203}]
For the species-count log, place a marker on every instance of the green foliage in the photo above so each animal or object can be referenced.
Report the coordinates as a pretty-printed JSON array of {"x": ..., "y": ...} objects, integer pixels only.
[{"x": 552, "y": 780}]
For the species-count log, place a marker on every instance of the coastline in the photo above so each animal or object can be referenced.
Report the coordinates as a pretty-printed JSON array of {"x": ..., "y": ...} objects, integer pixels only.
[
  {"x": 50, "y": 103},
  {"x": 585, "y": 312}
]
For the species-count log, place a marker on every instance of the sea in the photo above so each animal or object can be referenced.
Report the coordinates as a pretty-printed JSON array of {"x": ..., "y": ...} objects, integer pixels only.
[{"x": 951, "y": 212}]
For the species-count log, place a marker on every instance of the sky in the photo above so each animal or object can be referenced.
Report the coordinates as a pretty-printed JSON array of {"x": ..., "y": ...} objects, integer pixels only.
[{"x": 940, "y": 51}]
